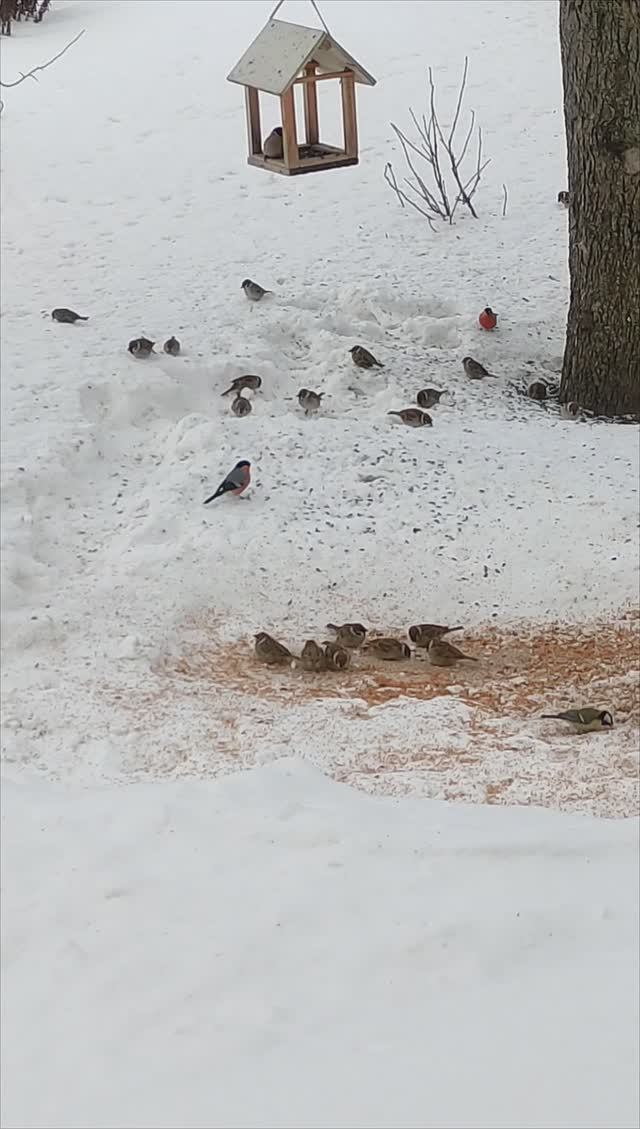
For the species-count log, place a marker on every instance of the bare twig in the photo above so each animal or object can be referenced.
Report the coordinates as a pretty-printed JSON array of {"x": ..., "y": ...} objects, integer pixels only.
[
  {"x": 390, "y": 178},
  {"x": 504, "y": 202},
  {"x": 43, "y": 66}
]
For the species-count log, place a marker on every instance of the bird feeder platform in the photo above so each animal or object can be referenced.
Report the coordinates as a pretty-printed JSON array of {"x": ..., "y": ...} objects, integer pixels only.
[{"x": 282, "y": 57}]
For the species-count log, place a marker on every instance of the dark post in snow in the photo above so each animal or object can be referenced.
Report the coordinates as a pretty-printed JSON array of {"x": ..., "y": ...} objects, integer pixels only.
[{"x": 600, "y": 47}]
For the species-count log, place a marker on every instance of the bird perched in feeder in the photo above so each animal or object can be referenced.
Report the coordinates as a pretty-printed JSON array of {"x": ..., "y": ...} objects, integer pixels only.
[
  {"x": 236, "y": 481},
  {"x": 241, "y": 382},
  {"x": 337, "y": 658},
  {"x": 474, "y": 370},
  {"x": 273, "y": 146},
  {"x": 270, "y": 651},
  {"x": 563, "y": 199},
  {"x": 309, "y": 401},
  {"x": 241, "y": 406},
  {"x": 312, "y": 657},
  {"x": 349, "y": 635},
  {"x": 172, "y": 346},
  {"x": 428, "y": 398},
  {"x": 253, "y": 291},
  {"x": 537, "y": 391},
  {"x": 141, "y": 347},
  {"x": 390, "y": 650},
  {"x": 487, "y": 319},
  {"x": 67, "y": 316},
  {"x": 570, "y": 410},
  {"x": 413, "y": 417},
  {"x": 421, "y": 634},
  {"x": 441, "y": 653},
  {"x": 363, "y": 358},
  {"x": 586, "y": 720}
]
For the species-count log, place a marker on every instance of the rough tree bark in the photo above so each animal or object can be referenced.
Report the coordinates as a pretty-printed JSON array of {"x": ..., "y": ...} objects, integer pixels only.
[{"x": 600, "y": 47}]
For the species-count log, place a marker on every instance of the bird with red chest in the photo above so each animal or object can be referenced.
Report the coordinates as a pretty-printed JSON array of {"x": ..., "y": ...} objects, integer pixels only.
[
  {"x": 487, "y": 319},
  {"x": 236, "y": 481}
]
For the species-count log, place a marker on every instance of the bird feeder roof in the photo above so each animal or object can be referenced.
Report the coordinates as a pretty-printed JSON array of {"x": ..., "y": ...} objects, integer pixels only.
[{"x": 281, "y": 50}]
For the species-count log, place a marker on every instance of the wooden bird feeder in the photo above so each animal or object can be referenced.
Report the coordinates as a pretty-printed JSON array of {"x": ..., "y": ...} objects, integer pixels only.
[{"x": 282, "y": 57}]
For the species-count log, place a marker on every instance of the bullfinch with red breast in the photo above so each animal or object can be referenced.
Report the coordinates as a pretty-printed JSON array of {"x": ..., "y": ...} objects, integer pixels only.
[
  {"x": 487, "y": 319},
  {"x": 236, "y": 481}
]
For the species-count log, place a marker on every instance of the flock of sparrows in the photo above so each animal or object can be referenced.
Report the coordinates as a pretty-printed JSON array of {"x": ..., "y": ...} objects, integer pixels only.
[{"x": 352, "y": 637}]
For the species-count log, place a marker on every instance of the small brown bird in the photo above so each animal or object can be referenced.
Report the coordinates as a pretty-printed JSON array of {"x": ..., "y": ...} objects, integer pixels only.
[
  {"x": 349, "y": 635},
  {"x": 141, "y": 347},
  {"x": 312, "y": 657},
  {"x": 68, "y": 316},
  {"x": 240, "y": 382},
  {"x": 270, "y": 651},
  {"x": 253, "y": 291},
  {"x": 421, "y": 634},
  {"x": 570, "y": 410},
  {"x": 390, "y": 650},
  {"x": 413, "y": 417},
  {"x": 428, "y": 398},
  {"x": 337, "y": 658},
  {"x": 537, "y": 391},
  {"x": 441, "y": 653},
  {"x": 273, "y": 146},
  {"x": 363, "y": 358},
  {"x": 309, "y": 401},
  {"x": 474, "y": 370},
  {"x": 241, "y": 406},
  {"x": 172, "y": 346},
  {"x": 563, "y": 198}
]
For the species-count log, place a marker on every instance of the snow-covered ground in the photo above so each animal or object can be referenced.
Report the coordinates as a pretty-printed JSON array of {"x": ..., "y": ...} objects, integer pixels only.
[{"x": 128, "y": 608}]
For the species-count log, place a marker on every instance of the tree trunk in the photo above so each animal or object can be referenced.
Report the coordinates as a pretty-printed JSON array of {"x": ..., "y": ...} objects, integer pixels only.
[{"x": 600, "y": 47}]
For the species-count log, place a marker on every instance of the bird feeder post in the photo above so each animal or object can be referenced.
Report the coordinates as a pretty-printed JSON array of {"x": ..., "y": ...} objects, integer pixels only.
[
  {"x": 349, "y": 117},
  {"x": 289, "y": 129},
  {"x": 254, "y": 131},
  {"x": 310, "y": 94}
]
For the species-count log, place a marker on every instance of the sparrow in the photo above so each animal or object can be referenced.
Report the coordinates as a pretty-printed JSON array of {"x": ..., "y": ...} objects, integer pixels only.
[
  {"x": 413, "y": 417},
  {"x": 172, "y": 346},
  {"x": 241, "y": 406},
  {"x": 421, "y": 634},
  {"x": 273, "y": 146},
  {"x": 363, "y": 358},
  {"x": 235, "y": 483},
  {"x": 336, "y": 657},
  {"x": 253, "y": 291},
  {"x": 585, "y": 721},
  {"x": 312, "y": 657},
  {"x": 141, "y": 347},
  {"x": 474, "y": 370},
  {"x": 69, "y": 316},
  {"x": 441, "y": 653},
  {"x": 563, "y": 198},
  {"x": 570, "y": 410},
  {"x": 428, "y": 398},
  {"x": 270, "y": 651},
  {"x": 240, "y": 382},
  {"x": 349, "y": 635},
  {"x": 309, "y": 401},
  {"x": 537, "y": 391},
  {"x": 391, "y": 650},
  {"x": 487, "y": 319}
]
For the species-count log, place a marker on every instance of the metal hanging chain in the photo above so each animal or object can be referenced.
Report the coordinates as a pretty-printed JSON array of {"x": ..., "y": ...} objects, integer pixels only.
[{"x": 313, "y": 5}]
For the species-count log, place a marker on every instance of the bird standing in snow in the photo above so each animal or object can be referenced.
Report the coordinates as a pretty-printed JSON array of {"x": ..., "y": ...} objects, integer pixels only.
[
  {"x": 473, "y": 369},
  {"x": 563, "y": 198},
  {"x": 309, "y": 401},
  {"x": 349, "y": 635},
  {"x": 68, "y": 316},
  {"x": 441, "y": 653},
  {"x": 236, "y": 481},
  {"x": 389, "y": 649},
  {"x": 488, "y": 319},
  {"x": 537, "y": 391},
  {"x": 312, "y": 657},
  {"x": 586, "y": 720},
  {"x": 270, "y": 651},
  {"x": 273, "y": 146},
  {"x": 172, "y": 346},
  {"x": 253, "y": 291},
  {"x": 337, "y": 657},
  {"x": 241, "y": 382},
  {"x": 570, "y": 410},
  {"x": 421, "y": 634},
  {"x": 141, "y": 347},
  {"x": 413, "y": 417},
  {"x": 241, "y": 406},
  {"x": 363, "y": 358},
  {"x": 428, "y": 398}
]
